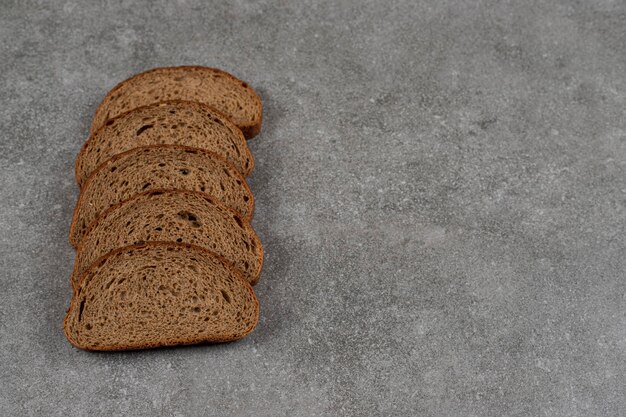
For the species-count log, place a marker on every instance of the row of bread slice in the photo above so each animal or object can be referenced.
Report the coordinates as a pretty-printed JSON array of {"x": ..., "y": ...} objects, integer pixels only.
[{"x": 168, "y": 173}]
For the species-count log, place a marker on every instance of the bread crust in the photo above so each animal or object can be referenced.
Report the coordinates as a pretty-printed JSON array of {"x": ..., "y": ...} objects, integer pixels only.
[{"x": 249, "y": 130}]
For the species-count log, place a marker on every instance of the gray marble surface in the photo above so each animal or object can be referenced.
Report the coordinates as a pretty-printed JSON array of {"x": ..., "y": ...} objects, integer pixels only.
[{"x": 440, "y": 190}]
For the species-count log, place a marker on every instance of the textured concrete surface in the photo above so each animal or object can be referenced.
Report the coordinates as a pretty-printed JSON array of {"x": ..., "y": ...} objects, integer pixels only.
[{"x": 440, "y": 189}]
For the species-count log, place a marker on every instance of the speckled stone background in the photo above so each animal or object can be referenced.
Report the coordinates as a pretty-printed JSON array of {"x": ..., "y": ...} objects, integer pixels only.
[{"x": 440, "y": 189}]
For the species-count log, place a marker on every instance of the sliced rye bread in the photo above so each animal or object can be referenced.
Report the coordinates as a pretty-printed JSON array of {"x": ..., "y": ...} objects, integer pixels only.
[
  {"x": 169, "y": 123},
  {"x": 217, "y": 88},
  {"x": 159, "y": 167},
  {"x": 173, "y": 216},
  {"x": 159, "y": 294}
]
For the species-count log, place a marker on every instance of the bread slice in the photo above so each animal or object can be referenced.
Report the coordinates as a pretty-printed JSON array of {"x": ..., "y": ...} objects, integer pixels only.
[
  {"x": 159, "y": 294},
  {"x": 155, "y": 167},
  {"x": 173, "y": 216},
  {"x": 169, "y": 123},
  {"x": 211, "y": 86}
]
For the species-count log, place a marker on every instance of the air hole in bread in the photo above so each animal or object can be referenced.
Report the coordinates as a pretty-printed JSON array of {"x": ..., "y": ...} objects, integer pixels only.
[
  {"x": 106, "y": 287},
  {"x": 184, "y": 171},
  {"x": 80, "y": 310},
  {"x": 225, "y": 296},
  {"x": 143, "y": 129},
  {"x": 185, "y": 215},
  {"x": 110, "y": 122},
  {"x": 238, "y": 220}
]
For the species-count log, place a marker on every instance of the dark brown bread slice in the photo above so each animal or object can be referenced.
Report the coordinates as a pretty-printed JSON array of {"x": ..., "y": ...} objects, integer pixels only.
[
  {"x": 219, "y": 89},
  {"x": 173, "y": 216},
  {"x": 156, "y": 167},
  {"x": 159, "y": 294},
  {"x": 169, "y": 123}
]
